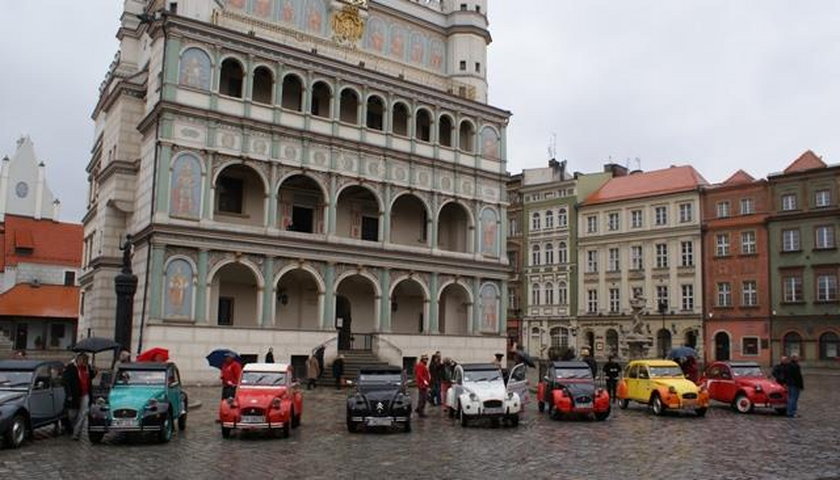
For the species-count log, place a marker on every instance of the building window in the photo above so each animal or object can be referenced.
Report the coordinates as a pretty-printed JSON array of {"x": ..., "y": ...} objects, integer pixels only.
[
  {"x": 748, "y": 243},
  {"x": 535, "y": 221},
  {"x": 722, "y": 209},
  {"x": 636, "y": 219},
  {"x": 686, "y": 213},
  {"x": 724, "y": 294},
  {"x": 662, "y": 295},
  {"x": 562, "y": 218},
  {"x": 829, "y": 343},
  {"x": 688, "y": 297},
  {"x": 792, "y": 288},
  {"x": 559, "y": 337},
  {"x": 790, "y": 240},
  {"x": 563, "y": 294},
  {"x": 722, "y": 245},
  {"x": 462, "y": 65},
  {"x": 638, "y": 292},
  {"x": 592, "y": 301},
  {"x": 749, "y": 346},
  {"x": 687, "y": 253},
  {"x": 827, "y": 288},
  {"x": 513, "y": 227},
  {"x": 792, "y": 344},
  {"x": 661, "y": 255},
  {"x": 549, "y": 294},
  {"x": 592, "y": 224},
  {"x": 822, "y": 198},
  {"x": 749, "y": 293},
  {"x": 592, "y": 261},
  {"x": 789, "y": 202},
  {"x": 230, "y": 194},
  {"x": 69, "y": 278},
  {"x": 549, "y": 219},
  {"x": 615, "y": 300},
  {"x": 230, "y": 78},
  {"x": 747, "y": 206},
  {"x": 535, "y": 294},
  {"x": 612, "y": 221},
  {"x": 549, "y": 254},
  {"x": 824, "y": 237},
  {"x": 636, "y": 258},
  {"x": 562, "y": 253},
  {"x": 661, "y": 215},
  {"x": 535, "y": 255},
  {"x": 614, "y": 265}
]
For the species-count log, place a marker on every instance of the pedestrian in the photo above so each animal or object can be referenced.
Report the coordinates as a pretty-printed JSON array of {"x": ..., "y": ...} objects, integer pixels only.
[
  {"x": 338, "y": 370},
  {"x": 795, "y": 384},
  {"x": 269, "y": 356},
  {"x": 312, "y": 372},
  {"x": 435, "y": 372},
  {"x": 20, "y": 354},
  {"x": 422, "y": 379},
  {"x": 319, "y": 354},
  {"x": 587, "y": 358},
  {"x": 690, "y": 368},
  {"x": 78, "y": 383},
  {"x": 498, "y": 361},
  {"x": 612, "y": 370},
  {"x": 778, "y": 372},
  {"x": 124, "y": 356},
  {"x": 231, "y": 371},
  {"x": 446, "y": 378}
]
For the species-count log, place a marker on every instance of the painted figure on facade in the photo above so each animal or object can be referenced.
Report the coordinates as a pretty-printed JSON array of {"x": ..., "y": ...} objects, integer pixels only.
[
  {"x": 195, "y": 69},
  {"x": 186, "y": 186},
  {"x": 315, "y": 16},
  {"x": 178, "y": 288},
  {"x": 489, "y": 307},
  {"x": 489, "y": 233},
  {"x": 240, "y": 4},
  {"x": 397, "y": 42},
  {"x": 262, "y": 8},
  {"x": 436, "y": 55},
  {"x": 288, "y": 13},
  {"x": 376, "y": 35},
  {"x": 489, "y": 144},
  {"x": 418, "y": 48}
]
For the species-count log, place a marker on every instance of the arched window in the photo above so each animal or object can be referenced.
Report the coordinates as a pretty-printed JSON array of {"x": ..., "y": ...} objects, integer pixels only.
[
  {"x": 349, "y": 106},
  {"x": 549, "y": 254},
  {"x": 535, "y": 294},
  {"x": 399, "y": 119},
  {"x": 562, "y": 218},
  {"x": 321, "y": 96},
  {"x": 562, "y": 253},
  {"x": 467, "y": 136},
  {"x": 549, "y": 219},
  {"x": 423, "y": 125},
  {"x": 292, "y": 93},
  {"x": 230, "y": 81},
  {"x": 549, "y": 294},
  {"x": 792, "y": 344},
  {"x": 535, "y": 221},
  {"x": 535, "y": 255},
  {"x": 829, "y": 344},
  {"x": 262, "y": 85},
  {"x": 563, "y": 294},
  {"x": 559, "y": 337},
  {"x": 375, "y": 113},
  {"x": 445, "y": 130}
]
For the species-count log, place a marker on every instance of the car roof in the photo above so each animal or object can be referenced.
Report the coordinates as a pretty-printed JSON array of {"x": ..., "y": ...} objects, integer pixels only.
[
  {"x": 570, "y": 365},
  {"x": 266, "y": 367},
  {"x": 479, "y": 366},
  {"x": 741, "y": 364},
  {"x": 382, "y": 370},
  {"x": 13, "y": 364},
  {"x": 146, "y": 365},
  {"x": 655, "y": 363}
]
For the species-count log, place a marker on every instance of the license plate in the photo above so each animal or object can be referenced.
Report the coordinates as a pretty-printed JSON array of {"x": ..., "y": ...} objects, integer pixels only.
[
  {"x": 379, "y": 422},
  {"x": 494, "y": 411},
  {"x": 689, "y": 404},
  {"x": 584, "y": 405},
  {"x": 253, "y": 419},
  {"x": 124, "y": 422}
]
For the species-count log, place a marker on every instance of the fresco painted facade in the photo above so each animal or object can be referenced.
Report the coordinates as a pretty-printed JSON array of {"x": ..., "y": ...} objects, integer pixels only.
[
  {"x": 195, "y": 69},
  {"x": 186, "y": 186},
  {"x": 489, "y": 233},
  {"x": 178, "y": 290},
  {"x": 489, "y": 300}
]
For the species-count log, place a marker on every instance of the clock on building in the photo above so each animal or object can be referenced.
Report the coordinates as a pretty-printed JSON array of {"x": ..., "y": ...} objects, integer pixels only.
[{"x": 22, "y": 189}]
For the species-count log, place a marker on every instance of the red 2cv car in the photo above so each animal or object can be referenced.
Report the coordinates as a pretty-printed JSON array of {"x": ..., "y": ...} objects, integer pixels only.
[
  {"x": 569, "y": 388},
  {"x": 743, "y": 386},
  {"x": 267, "y": 399}
]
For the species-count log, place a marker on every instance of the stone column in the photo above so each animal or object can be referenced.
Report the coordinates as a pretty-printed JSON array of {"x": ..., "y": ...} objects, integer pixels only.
[
  {"x": 386, "y": 217},
  {"x": 503, "y": 307},
  {"x": 201, "y": 288},
  {"x": 476, "y": 311},
  {"x": 163, "y": 179},
  {"x": 268, "y": 292},
  {"x": 329, "y": 297},
  {"x": 332, "y": 205},
  {"x": 385, "y": 305},
  {"x": 156, "y": 282},
  {"x": 434, "y": 325},
  {"x": 125, "y": 285}
]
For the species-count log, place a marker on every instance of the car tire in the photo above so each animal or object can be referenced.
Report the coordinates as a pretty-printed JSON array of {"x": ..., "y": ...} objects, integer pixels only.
[
  {"x": 451, "y": 412},
  {"x": 514, "y": 420},
  {"x": 293, "y": 419},
  {"x": 16, "y": 434},
  {"x": 552, "y": 411},
  {"x": 781, "y": 411},
  {"x": 541, "y": 406},
  {"x": 656, "y": 405},
  {"x": 601, "y": 416},
  {"x": 352, "y": 427},
  {"x": 182, "y": 419},
  {"x": 165, "y": 433},
  {"x": 742, "y": 404},
  {"x": 286, "y": 431},
  {"x": 407, "y": 426},
  {"x": 225, "y": 432},
  {"x": 462, "y": 417},
  {"x": 95, "y": 437},
  {"x": 623, "y": 403},
  {"x": 701, "y": 412}
]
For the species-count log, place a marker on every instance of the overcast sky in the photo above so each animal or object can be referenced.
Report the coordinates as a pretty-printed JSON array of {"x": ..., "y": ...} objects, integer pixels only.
[{"x": 719, "y": 84}]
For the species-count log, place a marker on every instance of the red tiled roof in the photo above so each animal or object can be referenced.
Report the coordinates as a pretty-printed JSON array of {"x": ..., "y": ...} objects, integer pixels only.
[
  {"x": 50, "y": 242},
  {"x": 647, "y": 184},
  {"x": 52, "y": 301},
  {"x": 739, "y": 178},
  {"x": 807, "y": 161}
]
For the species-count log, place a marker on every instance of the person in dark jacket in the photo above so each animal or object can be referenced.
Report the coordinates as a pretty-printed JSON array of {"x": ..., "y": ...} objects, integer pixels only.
[
  {"x": 778, "y": 372},
  {"x": 338, "y": 370},
  {"x": 612, "y": 370},
  {"x": 78, "y": 383},
  {"x": 436, "y": 372},
  {"x": 587, "y": 357},
  {"x": 795, "y": 384},
  {"x": 269, "y": 356}
]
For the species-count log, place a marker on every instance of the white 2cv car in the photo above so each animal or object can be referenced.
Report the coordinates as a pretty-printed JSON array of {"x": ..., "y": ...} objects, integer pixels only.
[{"x": 479, "y": 391}]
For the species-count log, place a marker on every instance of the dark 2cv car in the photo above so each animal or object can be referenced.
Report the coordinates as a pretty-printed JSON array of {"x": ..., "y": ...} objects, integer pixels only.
[
  {"x": 569, "y": 388},
  {"x": 380, "y": 400},
  {"x": 145, "y": 397},
  {"x": 31, "y": 396}
]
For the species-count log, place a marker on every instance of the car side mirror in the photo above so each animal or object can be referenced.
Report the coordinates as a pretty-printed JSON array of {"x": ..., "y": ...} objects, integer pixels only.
[{"x": 40, "y": 385}]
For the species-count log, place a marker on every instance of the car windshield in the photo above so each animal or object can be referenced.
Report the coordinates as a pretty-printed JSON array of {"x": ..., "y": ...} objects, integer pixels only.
[
  {"x": 562, "y": 373},
  {"x": 747, "y": 371},
  {"x": 482, "y": 376},
  {"x": 380, "y": 379},
  {"x": 674, "y": 371},
  {"x": 11, "y": 379},
  {"x": 141, "y": 377},
  {"x": 262, "y": 379}
]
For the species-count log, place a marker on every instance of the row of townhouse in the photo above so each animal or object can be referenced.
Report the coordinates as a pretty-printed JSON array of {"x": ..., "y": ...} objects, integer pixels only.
[{"x": 741, "y": 270}]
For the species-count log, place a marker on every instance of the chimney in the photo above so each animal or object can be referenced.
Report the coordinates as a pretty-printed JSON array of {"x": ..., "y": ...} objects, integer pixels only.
[{"x": 615, "y": 169}]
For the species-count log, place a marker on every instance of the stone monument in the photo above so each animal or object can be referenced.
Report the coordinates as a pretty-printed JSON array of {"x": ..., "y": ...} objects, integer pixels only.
[
  {"x": 125, "y": 284},
  {"x": 636, "y": 344}
]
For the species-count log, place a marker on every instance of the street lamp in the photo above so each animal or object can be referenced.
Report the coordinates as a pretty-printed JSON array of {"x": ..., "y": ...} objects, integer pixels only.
[{"x": 663, "y": 308}]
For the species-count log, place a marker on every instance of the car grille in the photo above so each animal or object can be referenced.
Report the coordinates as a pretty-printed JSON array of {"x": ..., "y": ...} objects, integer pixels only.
[
  {"x": 583, "y": 399},
  {"x": 125, "y": 413},
  {"x": 379, "y": 407},
  {"x": 689, "y": 396},
  {"x": 776, "y": 396},
  {"x": 252, "y": 411},
  {"x": 493, "y": 404}
]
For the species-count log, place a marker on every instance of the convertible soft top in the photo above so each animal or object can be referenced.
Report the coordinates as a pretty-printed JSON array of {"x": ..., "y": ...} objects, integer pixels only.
[
  {"x": 742, "y": 364},
  {"x": 266, "y": 367},
  {"x": 382, "y": 370},
  {"x": 479, "y": 366},
  {"x": 145, "y": 366},
  {"x": 25, "y": 365},
  {"x": 570, "y": 365}
]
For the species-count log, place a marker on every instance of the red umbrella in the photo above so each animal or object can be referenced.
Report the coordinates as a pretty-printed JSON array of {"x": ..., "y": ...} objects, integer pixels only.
[{"x": 156, "y": 354}]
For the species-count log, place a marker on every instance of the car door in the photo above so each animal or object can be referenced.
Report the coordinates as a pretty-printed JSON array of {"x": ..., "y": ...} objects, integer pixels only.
[
  {"x": 518, "y": 382},
  {"x": 294, "y": 387},
  {"x": 644, "y": 385},
  {"x": 173, "y": 391},
  {"x": 41, "y": 397},
  {"x": 632, "y": 380},
  {"x": 727, "y": 385},
  {"x": 58, "y": 394},
  {"x": 456, "y": 388}
]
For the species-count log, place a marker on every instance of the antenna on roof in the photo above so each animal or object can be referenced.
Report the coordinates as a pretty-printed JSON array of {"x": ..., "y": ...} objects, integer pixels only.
[
  {"x": 638, "y": 163},
  {"x": 552, "y": 147}
]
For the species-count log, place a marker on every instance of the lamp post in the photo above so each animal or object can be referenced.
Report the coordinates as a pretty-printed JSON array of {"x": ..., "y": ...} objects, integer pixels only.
[{"x": 663, "y": 308}]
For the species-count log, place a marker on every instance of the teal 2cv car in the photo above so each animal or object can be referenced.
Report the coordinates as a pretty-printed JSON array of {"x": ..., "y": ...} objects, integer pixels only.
[{"x": 145, "y": 397}]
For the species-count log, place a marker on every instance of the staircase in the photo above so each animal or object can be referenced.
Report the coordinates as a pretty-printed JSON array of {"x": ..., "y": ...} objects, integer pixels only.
[{"x": 354, "y": 360}]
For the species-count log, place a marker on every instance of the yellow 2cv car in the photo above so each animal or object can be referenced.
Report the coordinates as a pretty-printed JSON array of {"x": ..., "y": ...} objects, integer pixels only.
[{"x": 661, "y": 385}]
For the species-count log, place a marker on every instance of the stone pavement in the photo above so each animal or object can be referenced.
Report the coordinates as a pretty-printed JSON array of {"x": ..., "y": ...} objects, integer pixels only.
[{"x": 631, "y": 444}]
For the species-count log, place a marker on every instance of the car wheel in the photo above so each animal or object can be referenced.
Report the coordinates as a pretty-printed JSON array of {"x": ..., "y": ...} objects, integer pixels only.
[
  {"x": 623, "y": 403},
  {"x": 225, "y": 432},
  {"x": 601, "y": 416},
  {"x": 16, "y": 433},
  {"x": 781, "y": 411},
  {"x": 165, "y": 433},
  {"x": 182, "y": 419},
  {"x": 451, "y": 412},
  {"x": 701, "y": 412},
  {"x": 285, "y": 431},
  {"x": 656, "y": 405},
  {"x": 514, "y": 420},
  {"x": 407, "y": 426},
  {"x": 552, "y": 411},
  {"x": 462, "y": 417},
  {"x": 95, "y": 437},
  {"x": 294, "y": 419},
  {"x": 494, "y": 422},
  {"x": 742, "y": 404},
  {"x": 541, "y": 406}
]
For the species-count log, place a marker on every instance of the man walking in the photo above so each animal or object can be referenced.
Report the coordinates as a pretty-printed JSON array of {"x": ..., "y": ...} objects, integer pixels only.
[
  {"x": 587, "y": 357},
  {"x": 611, "y": 372},
  {"x": 422, "y": 379},
  {"x": 313, "y": 371},
  {"x": 793, "y": 377},
  {"x": 436, "y": 372},
  {"x": 338, "y": 370},
  {"x": 78, "y": 382}
]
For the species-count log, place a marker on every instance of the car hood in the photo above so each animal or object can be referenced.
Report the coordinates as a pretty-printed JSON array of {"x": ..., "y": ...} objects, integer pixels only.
[
  {"x": 579, "y": 388},
  {"x": 379, "y": 394},
  {"x": 134, "y": 397},
  {"x": 766, "y": 384},
  {"x": 486, "y": 390},
  {"x": 11, "y": 396},
  {"x": 682, "y": 385},
  {"x": 257, "y": 397}
]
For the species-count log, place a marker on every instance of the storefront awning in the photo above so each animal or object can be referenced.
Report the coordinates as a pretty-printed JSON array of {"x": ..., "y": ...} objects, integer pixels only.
[{"x": 48, "y": 301}]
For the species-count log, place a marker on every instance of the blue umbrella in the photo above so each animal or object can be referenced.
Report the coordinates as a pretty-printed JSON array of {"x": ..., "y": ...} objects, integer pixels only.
[
  {"x": 217, "y": 357},
  {"x": 682, "y": 352}
]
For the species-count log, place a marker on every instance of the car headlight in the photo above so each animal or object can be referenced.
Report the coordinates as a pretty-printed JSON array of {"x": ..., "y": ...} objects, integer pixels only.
[
  {"x": 672, "y": 389},
  {"x": 152, "y": 405},
  {"x": 758, "y": 388},
  {"x": 275, "y": 404},
  {"x": 510, "y": 395},
  {"x": 473, "y": 397}
]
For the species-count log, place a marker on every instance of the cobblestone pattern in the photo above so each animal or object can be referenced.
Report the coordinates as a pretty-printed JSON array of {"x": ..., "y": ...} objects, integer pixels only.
[{"x": 630, "y": 444}]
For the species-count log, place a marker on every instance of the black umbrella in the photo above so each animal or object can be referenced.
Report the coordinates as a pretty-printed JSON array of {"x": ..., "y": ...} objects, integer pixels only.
[
  {"x": 95, "y": 345},
  {"x": 525, "y": 358},
  {"x": 682, "y": 352}
]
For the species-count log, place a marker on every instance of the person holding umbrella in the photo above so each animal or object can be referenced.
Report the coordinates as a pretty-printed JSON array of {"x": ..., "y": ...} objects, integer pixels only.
[
  {"x": 78, "y": 383},
  {"x": 231, "y": 371}
]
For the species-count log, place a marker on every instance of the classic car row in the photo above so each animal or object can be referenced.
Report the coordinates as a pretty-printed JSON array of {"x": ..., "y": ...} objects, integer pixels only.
[{"x": 147, "y": 397}]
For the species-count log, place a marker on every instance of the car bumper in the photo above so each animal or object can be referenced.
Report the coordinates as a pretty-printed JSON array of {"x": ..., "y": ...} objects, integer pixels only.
[
  {"x": 136, "y": 428},
  {"x": 478, "y": 410},
  {"x": 386, "y": 421},
  {"x": 254, "y": 426}
]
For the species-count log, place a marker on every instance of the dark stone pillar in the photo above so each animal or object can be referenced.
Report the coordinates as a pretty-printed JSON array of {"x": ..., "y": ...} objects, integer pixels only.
[{"x": 125, "y": 284}]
